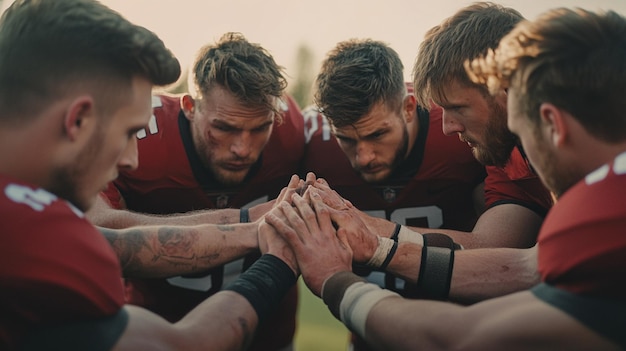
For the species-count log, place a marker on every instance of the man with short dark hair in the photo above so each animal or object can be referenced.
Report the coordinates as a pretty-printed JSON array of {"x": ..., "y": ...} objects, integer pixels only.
[
  {"x": 564, "y": 74},
  {"x": 76, "y": 81},
  {"x": 219, "y": 155}
]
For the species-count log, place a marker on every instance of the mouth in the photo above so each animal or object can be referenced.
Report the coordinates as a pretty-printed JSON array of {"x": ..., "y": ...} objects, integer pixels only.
[
  {"x": 236, "y": 167},
  {"x": 470, "y": 143},
  {"x": 372, "y": 169}
]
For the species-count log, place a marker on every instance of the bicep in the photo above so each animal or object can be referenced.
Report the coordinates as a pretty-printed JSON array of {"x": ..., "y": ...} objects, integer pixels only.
[{"x": 506, "y": 225}]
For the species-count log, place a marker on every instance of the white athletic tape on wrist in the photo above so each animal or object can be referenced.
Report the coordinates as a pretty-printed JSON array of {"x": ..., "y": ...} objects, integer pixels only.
[
  {"x": 357, "y": 302},
  {"x": 382, "y": 251},
  {"x": 408, "y": 235}
]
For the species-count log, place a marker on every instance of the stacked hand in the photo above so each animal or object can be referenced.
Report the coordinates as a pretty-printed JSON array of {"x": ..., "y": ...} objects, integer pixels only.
[
  {"x": 318, "y": 232},
  {"x": 320, "y": 250}
]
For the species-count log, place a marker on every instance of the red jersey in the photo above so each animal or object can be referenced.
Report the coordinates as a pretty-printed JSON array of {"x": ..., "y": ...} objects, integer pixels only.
[
  {"x": 55, "y": 267},
  {"x": 171, "y": 179},
  {"x": 516, "y": 183},
  {"x": 582, "y": 244},
  {"x": 431, "y": 188}
]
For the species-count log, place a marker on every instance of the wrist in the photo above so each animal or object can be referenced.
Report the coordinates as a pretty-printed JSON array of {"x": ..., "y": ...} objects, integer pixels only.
[
  {"x": 350, "y": 299},
  {"x": 385, "y": 250},
  {"x": 404, "y": 234},
  {"x": 264, "y": 284},
  {"x": 335, "y": 286}
]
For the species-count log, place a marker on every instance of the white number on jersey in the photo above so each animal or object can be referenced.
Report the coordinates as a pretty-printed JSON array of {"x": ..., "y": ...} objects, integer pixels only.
[
  {"x": 36, "y": 199},
  {"x": 311, "y": 124},
  {"x": 433, "y": 215},
  {"x": 152, "y": 123}
]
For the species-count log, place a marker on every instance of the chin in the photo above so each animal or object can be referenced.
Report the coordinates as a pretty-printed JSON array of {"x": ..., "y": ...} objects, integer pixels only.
[
  {"x": 229, "y": 178},
  {"x": 374, "y": 177}
]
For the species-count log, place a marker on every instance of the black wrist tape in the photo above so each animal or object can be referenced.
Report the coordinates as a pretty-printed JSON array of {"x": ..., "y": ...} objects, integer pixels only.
[
  {"x": 392, "y": 252},
  {"x": 264, "y": 284},
  {"x": 436, "y": 266},
  {"x": 396, "y": 231},
  {"x": 244, "y": 215}
]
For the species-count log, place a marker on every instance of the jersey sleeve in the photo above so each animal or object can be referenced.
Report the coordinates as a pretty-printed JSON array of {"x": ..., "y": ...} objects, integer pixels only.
[
  {"x": 582, "y": 243},
  {"x": 516, "y": 183},
  {"x": 55, "y": 267}
]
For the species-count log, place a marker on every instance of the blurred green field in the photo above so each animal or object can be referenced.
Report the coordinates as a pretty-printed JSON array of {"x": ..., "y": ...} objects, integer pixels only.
[{"x": 317, "y": 328}]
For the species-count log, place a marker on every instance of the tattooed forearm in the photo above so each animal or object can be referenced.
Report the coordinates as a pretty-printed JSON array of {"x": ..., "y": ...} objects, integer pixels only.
[
  {"x": 163, "y": 251},
  {"x": 128, "y": 245}
]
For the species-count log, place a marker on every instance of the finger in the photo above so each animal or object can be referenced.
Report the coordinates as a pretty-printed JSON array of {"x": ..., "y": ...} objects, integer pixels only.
[
  {"x": 293, "y": 182},
  {"x": 283, "y": 229},
  {"x": 306, "y": 213},
  {"x": 342, "y": 235},
  {"x": 322, "y": 212},
  {"x": 340, "y": 217},
  {"x": 323, "y": 182},
  {"x": 294, "y": 219},
  {"x": 310, "y": 178}
]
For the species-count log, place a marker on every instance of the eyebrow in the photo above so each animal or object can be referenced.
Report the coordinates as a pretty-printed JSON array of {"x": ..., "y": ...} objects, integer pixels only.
[
  {"x": 218, "y": 122},
  {"x": 367, "y": 136}
]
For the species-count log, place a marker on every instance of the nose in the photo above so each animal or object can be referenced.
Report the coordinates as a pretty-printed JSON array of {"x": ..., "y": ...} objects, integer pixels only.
[
  {"x": 364, "y": 154},
  {"x": 241, "y": 146},
  {"x": 130, "y": 156},
  {"x": 450, "y": 124}
]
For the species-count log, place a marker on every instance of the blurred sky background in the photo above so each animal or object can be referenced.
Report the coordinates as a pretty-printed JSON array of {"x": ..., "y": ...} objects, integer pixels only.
[{"x": 282, "y": 26}]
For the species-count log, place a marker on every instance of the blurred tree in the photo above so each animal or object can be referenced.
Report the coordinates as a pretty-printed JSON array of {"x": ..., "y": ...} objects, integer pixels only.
[
  {"x": 301, "y": 87},
  {"x": 180, "y": 87}
]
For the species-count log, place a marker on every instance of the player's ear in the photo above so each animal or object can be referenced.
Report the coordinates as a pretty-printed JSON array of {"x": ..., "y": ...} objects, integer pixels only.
[
  {"x": 79, "y": 112},
  {"x": 409, "y": 105},
  {"x": 553, "y": 123},
  {"x": 188, "y": 105}
]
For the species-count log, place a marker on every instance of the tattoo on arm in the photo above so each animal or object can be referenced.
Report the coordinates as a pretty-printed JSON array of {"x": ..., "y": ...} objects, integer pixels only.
[{"x": 161, "y": 251}]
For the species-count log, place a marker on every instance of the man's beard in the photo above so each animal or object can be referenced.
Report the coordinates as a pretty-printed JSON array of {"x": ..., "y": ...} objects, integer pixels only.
[
  {"x": 398, "y": 158},
  {"x": 68, "y": 182},
  {"x": 557, "y": 177},
  {"x": 498, "y": 139}
]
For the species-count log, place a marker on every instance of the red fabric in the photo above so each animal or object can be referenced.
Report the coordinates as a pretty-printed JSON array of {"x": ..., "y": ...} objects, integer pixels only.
[
  {"x": 437, "y": 194},
  {"x": 54, "y": 265},
  {"x": 582, "y": 244},
  {"x": 164, "y": 183},
  {"x": 516, "y": 183}
]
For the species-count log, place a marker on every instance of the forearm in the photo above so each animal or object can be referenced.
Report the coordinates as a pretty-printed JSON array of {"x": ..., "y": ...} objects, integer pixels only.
[
  {"x": 119, "y": 219},
  {"x": 165, "y": 251},
  {"x": 226, "y": 321},
  {"x": 402, "y": 324},
  {"x": 381, "y": 317},
  {"x": 477, "y": 274},
  {"x": 487, "y": 273}
]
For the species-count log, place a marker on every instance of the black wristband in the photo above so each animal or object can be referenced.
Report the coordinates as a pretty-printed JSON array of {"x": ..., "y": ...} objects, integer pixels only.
[
  {"x": 244, "y": 215},
  {"x": 335, "y": 287},
  {"x": 436, "y": 265},
  {"x": 396, "y": 231},
  {"x": 264, "y": 284}
]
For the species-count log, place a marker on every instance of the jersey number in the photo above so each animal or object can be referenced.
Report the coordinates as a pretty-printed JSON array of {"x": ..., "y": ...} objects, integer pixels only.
[
  {"x": 36, "y": 199},
  {"x": 432, "y": 214},
  {"x": 152, "y": 123}
]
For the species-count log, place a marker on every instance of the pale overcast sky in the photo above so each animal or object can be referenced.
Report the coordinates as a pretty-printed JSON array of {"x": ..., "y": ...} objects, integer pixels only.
[{"x": 281, "y": 26}]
